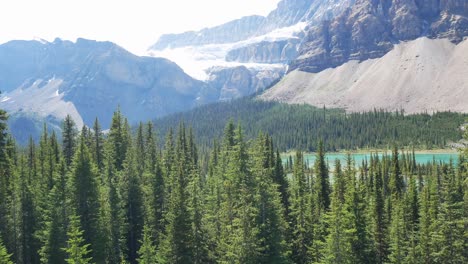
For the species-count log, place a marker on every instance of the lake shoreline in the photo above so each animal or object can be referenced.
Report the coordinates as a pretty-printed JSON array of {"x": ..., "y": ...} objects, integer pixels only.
[{"x": 388, "y": 151}]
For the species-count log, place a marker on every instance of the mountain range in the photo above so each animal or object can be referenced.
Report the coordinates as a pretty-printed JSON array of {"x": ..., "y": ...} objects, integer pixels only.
[
  {"x": 352, "y": 54},
  {"x": 90, "y": 79}
]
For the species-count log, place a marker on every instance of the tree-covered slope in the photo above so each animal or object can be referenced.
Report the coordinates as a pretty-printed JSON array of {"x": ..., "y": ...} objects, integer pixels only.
[{"x": 302, "y": 126}]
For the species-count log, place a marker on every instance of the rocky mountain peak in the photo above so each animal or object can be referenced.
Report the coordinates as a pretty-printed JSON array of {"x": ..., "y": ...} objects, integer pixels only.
[{"x": 370, "y": 28}]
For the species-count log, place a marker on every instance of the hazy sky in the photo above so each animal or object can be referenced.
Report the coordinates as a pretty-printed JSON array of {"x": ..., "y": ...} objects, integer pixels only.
[{"x": 133, "y": 24}]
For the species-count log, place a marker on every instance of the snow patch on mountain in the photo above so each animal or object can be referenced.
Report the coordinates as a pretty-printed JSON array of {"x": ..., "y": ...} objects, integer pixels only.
[
  {"x": 197, "y": 60},
  {"x": 41, "y": 97}
]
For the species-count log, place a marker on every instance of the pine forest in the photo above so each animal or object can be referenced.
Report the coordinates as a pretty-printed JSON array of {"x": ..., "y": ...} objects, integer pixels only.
[{"x": 128, "y": 196}]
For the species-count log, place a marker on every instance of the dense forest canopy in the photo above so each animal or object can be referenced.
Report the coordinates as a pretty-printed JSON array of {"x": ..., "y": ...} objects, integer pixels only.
[
  {"x": 303, "y": 126},
  {"x": 121, "y": 198}
]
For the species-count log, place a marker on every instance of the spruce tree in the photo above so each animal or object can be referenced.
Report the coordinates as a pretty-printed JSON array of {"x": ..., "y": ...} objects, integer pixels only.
[
  {"x": 398, "y": 236},
  {"x": 281, "y": 180},
  {"x": 6, "y": 177},
  {"x": 77, "y": 250},
  {"x": 379, "y": 220},
  {"x": 28, "y": 246},
  {"x": 449, "y": 237},
  {"x": 117, "y": 140},
  {"x": 53, "y": 235},
  {"x": 132, "y": 206},
  {"x": 5, "y": 258},
  {"x": 339, "y": 248},
  {"x": 301, "y": 220},
  {"x": 272, "y": 226},
  {"x": 396, "y": 180},
  {"x": 177, "y": 245},
  {"x": 113, "y": 215},
  {"x": 140, "y": 150},
  {"x": 98, "y": 145},
  {"x": 147, "y": 251},
  {"x": 323, "y": 179},
  {"x": 84, "y": 198},
  {"x": 201, "y": 251},
  {"x": 69, "y": 134}
]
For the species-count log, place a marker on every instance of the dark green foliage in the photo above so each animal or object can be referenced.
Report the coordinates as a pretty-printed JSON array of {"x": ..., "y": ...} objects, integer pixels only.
[
  {"x": 322, "y": 179},
  {"x": 54, "y": 232},
  {"x": 5, "y": 258},
  {"x": 132, "y": 206},
  {"x": 77, "y": 249},
  {"x": 83, "y": 198},
  {"x": 301, "y": 212},
  {"x": 147, "y": 251},
  {"x": 123, "y": 199},
  {"x": 303, "y": 126},
  {"x": 68, "y": 139},
  {"x": 117, "y": 140},
  {"x": 6, "y": 175},
  {"x": 177, "y": 245},
  {"x": 97, "y": 145}
]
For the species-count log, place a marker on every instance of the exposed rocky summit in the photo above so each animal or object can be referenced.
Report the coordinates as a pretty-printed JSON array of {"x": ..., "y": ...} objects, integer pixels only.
[
  {"x": 281, "y": 51},
  {"x": 370, "y": 28}
]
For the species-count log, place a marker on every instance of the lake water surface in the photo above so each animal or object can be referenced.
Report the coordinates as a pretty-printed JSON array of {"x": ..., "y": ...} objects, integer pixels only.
[{"x": 421, "y": 157}]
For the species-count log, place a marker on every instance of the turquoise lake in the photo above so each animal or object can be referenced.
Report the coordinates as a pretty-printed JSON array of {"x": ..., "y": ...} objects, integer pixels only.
[{"x": 360, "y": 157}]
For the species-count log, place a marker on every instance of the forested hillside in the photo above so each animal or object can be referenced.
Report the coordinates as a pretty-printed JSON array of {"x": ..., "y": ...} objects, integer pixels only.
[
  {"x": 121, "y": 198},
  {"x": 303, "y": 126}
]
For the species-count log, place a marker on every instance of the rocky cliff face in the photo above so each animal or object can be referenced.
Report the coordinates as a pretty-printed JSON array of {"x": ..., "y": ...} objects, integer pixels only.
[
  {"x": 370, "y": 28},
  {"x": 266, "y": 52},
  {"x": 235, "y": 82}
]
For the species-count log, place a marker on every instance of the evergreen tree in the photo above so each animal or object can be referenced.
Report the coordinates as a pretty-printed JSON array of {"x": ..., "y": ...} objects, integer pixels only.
[
  {"x": 28, "y": 246},
  {"x": 398, "y": 240},
  {"x": 379, "y": 220},
  {"x": 201, "y": 254},
  {"x": 5, "y": 258},
  {"x": 54, "y": 233},
  {"x": 147, "y": 251},
  {"x": 338, "y": 240},
  {"x": 177, "y": 245},
  {"x": 98, "y": 145},
  {"x": 132, "y": 205},
  {"x": 140, "y": 150},
  {"x": 6, "y": 177},
  {"x": 449, "y": 237},
  {"x": 396, "y": 179},
  {"x": 84, "y": 198},
  {"x": 283, "y": 185},
  {"x": 113, "y": 216},
  {"x": 323, "y": 179},
  {"x": 301, "y": 220},
  {"x": 68, "y": 139},
  {"x": 76, "y": 249},
  {"x": 117, "y": 140},
  {"x": 358, "y": 232},
  {"x": 272, "y": 226}
]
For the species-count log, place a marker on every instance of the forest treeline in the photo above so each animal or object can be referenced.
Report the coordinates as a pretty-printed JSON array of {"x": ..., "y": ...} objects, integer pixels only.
[
  {"x": 121, "y": 198},
  {"x": 303, "y": 126}
]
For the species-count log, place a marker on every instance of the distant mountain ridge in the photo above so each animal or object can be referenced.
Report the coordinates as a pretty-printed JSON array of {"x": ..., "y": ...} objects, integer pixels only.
[{"x": 89, "y": 79}]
